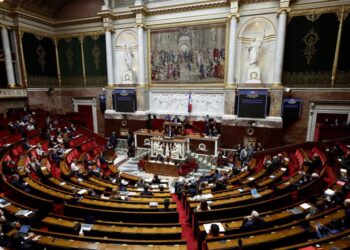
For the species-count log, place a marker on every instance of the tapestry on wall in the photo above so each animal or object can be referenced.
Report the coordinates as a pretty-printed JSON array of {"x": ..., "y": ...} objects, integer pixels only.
[
  {"x": 309, "y": 51},
  {"x": 95, "y": 60},
  {"x": 191, "y": 54},
  {"x": 69, "y": 51},
  {"x": 343, "y": 73},
  {"x": 40, "y": 60}
]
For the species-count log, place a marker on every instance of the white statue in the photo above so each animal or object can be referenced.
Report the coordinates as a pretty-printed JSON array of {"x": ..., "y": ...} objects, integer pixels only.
[
  {"x": 128, "y": 57},
  {"x": 253, "y": 50},
  {"x": 176, "y": 151}
]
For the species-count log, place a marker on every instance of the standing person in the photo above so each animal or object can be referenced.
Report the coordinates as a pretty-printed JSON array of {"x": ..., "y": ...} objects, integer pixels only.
[
  {"x": 113, "y": 140},
  {"x": 243, "y": 156}
]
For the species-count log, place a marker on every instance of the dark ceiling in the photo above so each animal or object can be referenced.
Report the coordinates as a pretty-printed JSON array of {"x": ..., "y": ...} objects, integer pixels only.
[{"x": 47, "y": 8}]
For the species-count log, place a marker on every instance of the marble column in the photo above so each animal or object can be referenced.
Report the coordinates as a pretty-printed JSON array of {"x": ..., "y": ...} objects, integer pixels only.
[
  {"x": 281, "y": 37},
  {"x": 8, "y": 58},
  {"x": 109, "y": 55},
  {"x": 231, "y": 52},
  {"x": 141, "y": 54}
]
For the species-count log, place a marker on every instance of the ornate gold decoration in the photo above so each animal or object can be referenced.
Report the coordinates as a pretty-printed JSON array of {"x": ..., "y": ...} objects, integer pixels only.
[
  {"x": 69, "y": 55},
  {"x": 310, "y": 39},
  {"x": 68, "y": 39},
  {"x": 96, "y": 52},
  {"x": 307, "y": 79},
  {"x": 40, "y": 51},
  {"x": 313, "y": 17},
  {"x": 38, "y": 36},
  {"x": 95, "y": 37}
]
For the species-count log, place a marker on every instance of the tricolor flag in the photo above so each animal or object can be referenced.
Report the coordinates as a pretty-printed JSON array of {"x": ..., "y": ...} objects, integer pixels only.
[{"x": 189, "y": 103}]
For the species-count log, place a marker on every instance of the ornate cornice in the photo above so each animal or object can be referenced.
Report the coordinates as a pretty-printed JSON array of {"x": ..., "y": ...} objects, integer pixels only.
[
  {"x": 323, "y": 10},
  {"x": 189, "y": 7}
]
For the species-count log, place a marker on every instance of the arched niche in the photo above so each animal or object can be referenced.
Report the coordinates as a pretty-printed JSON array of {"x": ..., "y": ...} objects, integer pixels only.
[
  {"x": 256, "y": 28},
  {"x": 125, "y": 40}
]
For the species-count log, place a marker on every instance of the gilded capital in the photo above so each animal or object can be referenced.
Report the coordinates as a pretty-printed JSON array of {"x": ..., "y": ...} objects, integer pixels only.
[
  {"x": 233, "y": 15},
  {"x": 281, "y": 10}
]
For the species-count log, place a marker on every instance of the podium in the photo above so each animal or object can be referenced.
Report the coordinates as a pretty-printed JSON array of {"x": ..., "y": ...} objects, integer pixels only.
[{"x": 174, "y": 149}]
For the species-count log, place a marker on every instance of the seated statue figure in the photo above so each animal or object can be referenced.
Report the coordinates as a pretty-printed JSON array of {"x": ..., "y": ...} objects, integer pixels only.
[{"x": 176, "y": 151}]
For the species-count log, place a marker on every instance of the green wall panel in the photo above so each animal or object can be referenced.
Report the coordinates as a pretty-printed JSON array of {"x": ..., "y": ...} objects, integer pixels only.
[
  {"x": 95, "y": 60},
  {"x": 309, "y": 51},
  {"x": 40, "y": 60},
  {"x": 343, "y": 73},
  {"x": 69, "y": 51}
]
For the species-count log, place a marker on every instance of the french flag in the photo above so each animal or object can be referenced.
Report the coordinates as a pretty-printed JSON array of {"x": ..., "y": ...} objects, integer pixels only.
[{"x": 189, "y": 103}]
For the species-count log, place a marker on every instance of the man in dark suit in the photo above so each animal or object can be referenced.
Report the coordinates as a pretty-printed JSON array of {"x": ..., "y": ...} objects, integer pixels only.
[
  {"x": 113, "y": 140},
  {"x": 146, "y": 192}
]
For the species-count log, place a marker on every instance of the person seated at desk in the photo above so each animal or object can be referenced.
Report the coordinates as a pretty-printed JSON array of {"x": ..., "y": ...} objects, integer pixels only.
[
  {"x": 146, "y": 192},
  {"x": 55, "y": 157},
  {"x": 253, "y": 221},
  {"x": 176, "y": 120},
  {"x": 155, "y": 179},
  {"x": 214, "y": 231},
  {"x": 40, "y": 152},
  {"x": 18, "y": 183},
  {"x": 203, "y": 206},
  {"x": 166, "y": 204},
  {"x": 34, "y": 165},
  {"x": 167, "y": 117},
  {"x": 74, "y": 167},
  {"x": 26, "y": 145}
]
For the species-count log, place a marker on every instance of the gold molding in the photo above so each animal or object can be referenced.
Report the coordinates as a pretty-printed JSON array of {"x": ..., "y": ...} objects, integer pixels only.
[
  {"x": 187, "y": 85},
  {"x": 55, "y": 42},
  {"x": 189, "y": 7},
  {"x": 222, "y": 20},
  {"x": 81, "y": 40},
  {"x": 24, "y": 69},
  {"x": 337, "y": 48},
  {"x": 337, "y": 9}
]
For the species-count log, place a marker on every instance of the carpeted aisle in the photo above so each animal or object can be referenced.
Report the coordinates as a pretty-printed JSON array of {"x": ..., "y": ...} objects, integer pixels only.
[{"x": 187, "y": 233}]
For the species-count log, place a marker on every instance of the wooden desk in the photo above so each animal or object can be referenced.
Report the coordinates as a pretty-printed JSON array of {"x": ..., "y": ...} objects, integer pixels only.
[
  {"x": 257, "y": 239},
  {"x": 161, "y": 168},
  {"x": 198, "y": 144}
]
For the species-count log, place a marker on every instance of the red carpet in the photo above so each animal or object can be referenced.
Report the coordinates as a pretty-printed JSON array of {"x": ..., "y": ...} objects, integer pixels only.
[{"x": 187, "y": 232}]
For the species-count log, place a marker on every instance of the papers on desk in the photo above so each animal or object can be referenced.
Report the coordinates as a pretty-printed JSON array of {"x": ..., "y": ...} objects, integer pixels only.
[
  {"x": 329, "y": 192},
  {"x": 283, "y": 169},
  {"x": 295, "y": 211},
  {"x": 62, "y": 183},
  {"x": 104, "y": 197},
  {"x": 154, "y": 186},
  {"x": 83, "y": 191},
  {"x": 24, "y": 213},
  {"x": 153, "y": 204},
  {"x": 148, "y": 179},
  {"x": 251, "y": 178},
  {"x": 255, "y": 193},
  {"x": 207, "y": 227},
  {"x": 206, "y": 196},
  {"x": 240, "y": 190},
  {"x": 86, "y": 227},
  {"x": 305, "y": 206},
  {"x": 4, "y": 203},
  {"x": 272, "y": 176}
]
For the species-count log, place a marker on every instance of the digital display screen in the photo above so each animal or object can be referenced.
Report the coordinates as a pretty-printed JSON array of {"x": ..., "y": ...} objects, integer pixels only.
[{"x": 252, "y": 103}]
